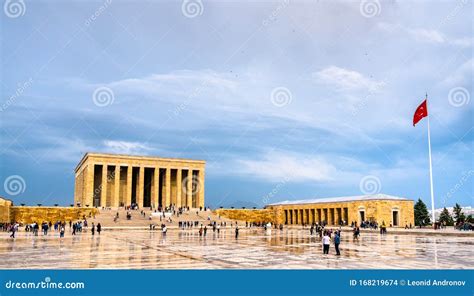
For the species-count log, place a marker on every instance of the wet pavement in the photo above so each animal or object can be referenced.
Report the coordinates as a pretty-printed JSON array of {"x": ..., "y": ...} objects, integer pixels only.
[{"x": 254, "y": 249}]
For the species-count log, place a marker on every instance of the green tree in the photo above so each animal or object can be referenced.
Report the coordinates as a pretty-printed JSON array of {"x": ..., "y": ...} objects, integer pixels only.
[
  {"x": 445, "y": 218},
  {"x": 459, "y": 216},
  {"x": 470, "y": 219},
  {"x": 422, "y": 217}
]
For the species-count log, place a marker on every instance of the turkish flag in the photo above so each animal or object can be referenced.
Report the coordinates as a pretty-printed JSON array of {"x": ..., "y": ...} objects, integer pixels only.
[{"x": 421, "y": 111}]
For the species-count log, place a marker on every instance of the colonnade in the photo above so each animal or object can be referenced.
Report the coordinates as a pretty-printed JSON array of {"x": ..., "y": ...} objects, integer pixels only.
[
  {"x": 328, "y": 215},
  {"x": 107, "y": 185}
]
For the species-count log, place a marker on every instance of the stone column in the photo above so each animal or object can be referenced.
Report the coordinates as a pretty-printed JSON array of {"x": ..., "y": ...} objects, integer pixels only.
[
  {"x": 336, "y": 216},
  {"x": 154, "y": 192},
  {"x": 128, "y": 191},
  {"x": 168, "y": 188},
  {"x": 201, "y": 189},
  {"x": 189, "y": 189},
  {"x": 116, "y": 193},
  {"x": 141, "y": 186},
  {"x": 78, "y": 198},
  {"x": 103, "y": 187},
  {"x": 89, "y": 190},
  {"x": 178, "y": 188}
]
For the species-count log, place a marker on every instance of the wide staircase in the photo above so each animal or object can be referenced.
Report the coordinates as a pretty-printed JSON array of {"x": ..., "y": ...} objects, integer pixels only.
[{"x": 106, "y": 218}]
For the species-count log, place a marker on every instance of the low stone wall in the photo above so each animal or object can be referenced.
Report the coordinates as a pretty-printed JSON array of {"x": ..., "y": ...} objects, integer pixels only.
[
  {"x": 5, "y": 212},
  {"x": 40, "y": 214},
  {"x": 249, "y": 215}
]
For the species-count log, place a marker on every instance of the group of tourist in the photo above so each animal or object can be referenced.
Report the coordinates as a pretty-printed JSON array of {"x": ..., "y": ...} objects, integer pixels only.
[
  {"x": 326, "y": 235},
  {"x": 366, "y": 224},
  {"x": 326, "y": 241},
  {"x": 59, "y": 226}
]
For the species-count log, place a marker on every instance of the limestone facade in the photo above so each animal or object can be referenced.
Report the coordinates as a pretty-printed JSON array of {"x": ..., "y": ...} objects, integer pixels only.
[
  {"x": 396, "y": 212},
  {"x": 114, "y": 180},
  {"x": 249, "y": 215},
  {"x": 25, "y": 214},
  {"x": 5, "y": 210}
]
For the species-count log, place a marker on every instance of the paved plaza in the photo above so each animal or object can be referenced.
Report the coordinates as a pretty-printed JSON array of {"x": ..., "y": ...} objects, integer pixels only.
[{"x": 254, "y": 249}]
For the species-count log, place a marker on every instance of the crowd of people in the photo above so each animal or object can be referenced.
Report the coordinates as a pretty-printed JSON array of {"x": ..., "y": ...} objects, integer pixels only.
[
  {"x": 58, "y": 227},
  {"x": 166, "y": 215}
]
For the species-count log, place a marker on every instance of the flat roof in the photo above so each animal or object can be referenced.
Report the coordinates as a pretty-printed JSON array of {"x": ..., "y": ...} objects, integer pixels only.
[
  {"x": 378, "y": 196},
  {"x": 128, "y": 156}
]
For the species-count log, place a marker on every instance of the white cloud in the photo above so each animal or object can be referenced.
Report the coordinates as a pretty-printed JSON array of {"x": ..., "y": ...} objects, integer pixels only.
[
  {"x": 461, "y": 76},
  {"x": 279, "y": 166},
  {"x": 424, "y": 35},
  {"x": 181, "y": 82},
  {"x": 125, "y": 147},
  {"x": 321, "y": 169},
  {"x": 346, "y": 79}
]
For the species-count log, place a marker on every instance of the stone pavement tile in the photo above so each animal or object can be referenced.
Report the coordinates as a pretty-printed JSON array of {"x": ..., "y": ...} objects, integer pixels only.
[{"x": 185, "y": 249}]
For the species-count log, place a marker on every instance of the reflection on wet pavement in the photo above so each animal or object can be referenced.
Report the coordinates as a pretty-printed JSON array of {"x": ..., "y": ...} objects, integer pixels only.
[{"x": 254, "y": 249}]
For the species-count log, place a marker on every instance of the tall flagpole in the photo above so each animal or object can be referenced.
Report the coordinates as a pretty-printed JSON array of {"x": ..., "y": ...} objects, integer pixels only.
[{"x": 431, "y": 167}]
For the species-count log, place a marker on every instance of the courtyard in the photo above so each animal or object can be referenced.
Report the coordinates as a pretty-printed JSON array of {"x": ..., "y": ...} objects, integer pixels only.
[{"x": 253, "y": 249}]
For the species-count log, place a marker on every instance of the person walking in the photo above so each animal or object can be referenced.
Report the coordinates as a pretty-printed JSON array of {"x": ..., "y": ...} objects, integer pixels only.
[
  {"x": 236, "y": 231},
  {"x": 337, "y": 241},
  {"x": 13, "y": 229},
  {"x": 99, "y": 228},
  {"x": 164, "y": 230},
  {"x": 356, "y": 232},
  {"x": 93, "y": 228},
  {"x": 61, "y": 231},
  {"x": 326, "y": 242}
]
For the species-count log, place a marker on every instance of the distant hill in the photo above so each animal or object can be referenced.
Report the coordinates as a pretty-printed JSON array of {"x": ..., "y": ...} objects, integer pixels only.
[{"x": 236, "y": 204}]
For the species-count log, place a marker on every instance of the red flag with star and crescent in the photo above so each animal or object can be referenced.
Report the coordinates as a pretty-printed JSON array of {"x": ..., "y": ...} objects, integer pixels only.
[{"x": 421, "y": 111}]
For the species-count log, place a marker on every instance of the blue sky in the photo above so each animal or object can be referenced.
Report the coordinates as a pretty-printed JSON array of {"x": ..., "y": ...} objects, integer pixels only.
[{"x": 284, "y": 100}]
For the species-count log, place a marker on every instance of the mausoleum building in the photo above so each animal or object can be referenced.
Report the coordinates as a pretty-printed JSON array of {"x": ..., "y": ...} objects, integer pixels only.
[{"x": 115, "y": 180}]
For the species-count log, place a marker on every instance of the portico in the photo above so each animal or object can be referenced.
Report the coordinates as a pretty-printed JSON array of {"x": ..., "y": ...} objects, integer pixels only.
[{"x": 114, "y": 180}]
